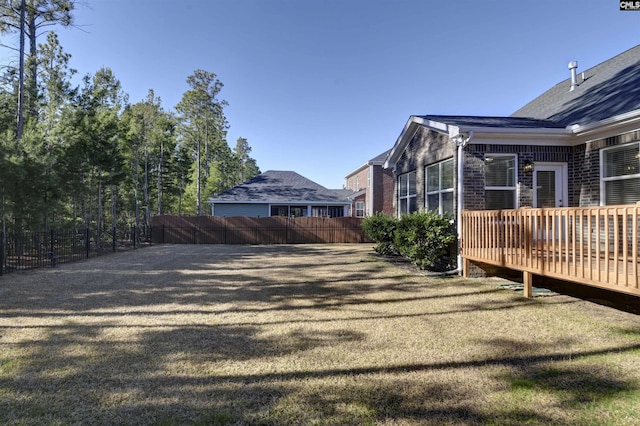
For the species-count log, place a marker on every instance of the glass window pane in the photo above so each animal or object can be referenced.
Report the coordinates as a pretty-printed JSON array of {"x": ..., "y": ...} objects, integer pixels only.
[
  {"x": 433, "y": 202},
  {"x": 402, "y": 185},
  {"x": 403, "y": 206},
  {"x": 413, "y": 206},
  {"x": 279, "y": 210},
  {"x": 622, "y": 191},
  {"x": 621, "y": 161},
  {"x": 546, "y": 188},
  {"x": 500, "y": 170},
  {"x": 412, "y": 183},
  {"x": 447, "y": 174},
  {"x": 447, "y": 203},
  {"x": 499, "y": 199},
  {"x": 433, "y": 178}
]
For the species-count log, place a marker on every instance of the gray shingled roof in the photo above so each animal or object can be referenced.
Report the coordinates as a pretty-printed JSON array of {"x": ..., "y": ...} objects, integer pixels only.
[
  {"x": 379, "y": 159},
  {"x": 281, "y": 186},
  {"x": 503, "y": 122},
  {"x": 609, "y": 89}
]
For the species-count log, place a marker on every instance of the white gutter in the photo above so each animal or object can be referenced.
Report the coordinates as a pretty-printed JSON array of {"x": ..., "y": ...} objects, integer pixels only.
[{"x": 461, "y": 142}]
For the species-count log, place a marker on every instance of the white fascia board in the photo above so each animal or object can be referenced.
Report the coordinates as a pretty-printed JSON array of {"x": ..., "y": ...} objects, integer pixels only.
[
  {"x": 356, "y": 171},
  {"x": 511, "y": 136},
  {"x": 214, "y": 201},
  {"x": 617, "y": 124},
  {"x": 409, "y": 130}
]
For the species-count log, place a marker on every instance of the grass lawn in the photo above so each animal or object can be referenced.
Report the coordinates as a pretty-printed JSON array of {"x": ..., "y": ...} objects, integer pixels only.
[{"x": 302, "y": 335}]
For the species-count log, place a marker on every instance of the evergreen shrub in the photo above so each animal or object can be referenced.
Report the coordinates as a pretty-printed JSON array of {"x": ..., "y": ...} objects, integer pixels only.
[
  {"x": 427, "y": 239},
  {"x": 381, "y": 229}
]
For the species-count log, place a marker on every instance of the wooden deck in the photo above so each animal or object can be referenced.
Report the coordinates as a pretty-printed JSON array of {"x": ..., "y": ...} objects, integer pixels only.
[{"x": 595, "y": 246}]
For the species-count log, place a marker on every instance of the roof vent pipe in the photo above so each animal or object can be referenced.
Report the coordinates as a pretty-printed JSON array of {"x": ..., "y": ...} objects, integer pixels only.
[{"x": 573, "y": 65}]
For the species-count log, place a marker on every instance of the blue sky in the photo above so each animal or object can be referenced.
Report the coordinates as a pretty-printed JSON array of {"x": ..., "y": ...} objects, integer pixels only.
[{"x": 322, "y": 86}]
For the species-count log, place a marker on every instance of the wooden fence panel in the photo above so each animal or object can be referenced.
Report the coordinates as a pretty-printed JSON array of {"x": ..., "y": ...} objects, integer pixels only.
[{"x": 248, "y": 230}]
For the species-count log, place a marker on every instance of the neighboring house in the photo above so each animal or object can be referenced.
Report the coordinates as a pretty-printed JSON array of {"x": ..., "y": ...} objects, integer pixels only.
[
  {"x": 372, "y": 187},
  {"x": 577, "y": 144},
  {"x": 281, "y": 193}
]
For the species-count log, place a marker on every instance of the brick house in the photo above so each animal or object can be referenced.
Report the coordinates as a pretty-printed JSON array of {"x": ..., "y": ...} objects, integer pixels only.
[
  {"x": 576, "y": 145},
  {"x": 372, "y": 187}
]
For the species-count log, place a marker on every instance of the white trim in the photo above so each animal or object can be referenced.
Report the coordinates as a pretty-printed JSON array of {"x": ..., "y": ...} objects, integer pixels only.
[
  {"x": 440, "y": 191},
  {"x": 514, "y": 188},
  {"x": 608, "y": 124},
  {"x": 603, "y": 179}
]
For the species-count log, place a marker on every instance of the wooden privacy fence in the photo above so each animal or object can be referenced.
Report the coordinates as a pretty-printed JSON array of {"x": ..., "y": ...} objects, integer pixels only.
[
  {"x": 248, "y": 230},
  {"x": 590, "y": 245}
]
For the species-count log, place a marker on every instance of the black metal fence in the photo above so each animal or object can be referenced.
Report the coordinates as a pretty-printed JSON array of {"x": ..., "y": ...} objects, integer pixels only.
[{"x": 29, "y": 250}]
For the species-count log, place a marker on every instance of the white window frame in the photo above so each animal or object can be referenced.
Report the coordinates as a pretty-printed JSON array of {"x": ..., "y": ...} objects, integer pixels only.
[
  {"x": 360, "y": 209},
  {"x": 407, "y": 198},
  {"x": 513, "y": 187},
  {"x": 604, "y": 179},
  {"x": 440, "y": 191}
]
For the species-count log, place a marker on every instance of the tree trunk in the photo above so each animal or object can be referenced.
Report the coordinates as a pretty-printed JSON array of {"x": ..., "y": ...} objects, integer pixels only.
[
  {"x": 198, "y": 206},
  {"x": 160, "y": 178},
  {"x": 33, "y": 65},
  {"x": 23, "y": 8},
  {"x": 147, "y": 210},
  {"x": 137, "y": 185},
  {"x": 99, "y": 219}
]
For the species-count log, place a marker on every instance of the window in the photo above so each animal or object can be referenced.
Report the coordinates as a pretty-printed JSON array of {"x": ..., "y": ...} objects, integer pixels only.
[
  {"x": 407, "y": 193},
  {"x": 291, "y": 211},
  {"x": 621, "y": 174},
  {"x": 439, "y": 187},
  {"x": 359, "y": 208},
  {"x": 500, "y": 182}
]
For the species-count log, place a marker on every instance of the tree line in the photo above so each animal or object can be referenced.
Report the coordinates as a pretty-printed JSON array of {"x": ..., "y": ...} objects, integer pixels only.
[{"x": 83, "y": 155}]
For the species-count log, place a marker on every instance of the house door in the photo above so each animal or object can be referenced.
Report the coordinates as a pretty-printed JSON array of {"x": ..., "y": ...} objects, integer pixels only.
[{"x": 550, "y": 185}]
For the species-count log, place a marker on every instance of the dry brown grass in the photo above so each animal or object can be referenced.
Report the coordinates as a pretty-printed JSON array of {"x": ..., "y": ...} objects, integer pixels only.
[{"x": 313, "y": 334}]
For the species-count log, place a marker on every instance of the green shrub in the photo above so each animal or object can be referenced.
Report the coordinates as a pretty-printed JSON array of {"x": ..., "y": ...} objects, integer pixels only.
[
  {"x": 381, "y": 228},
  {"x": 427, "y": 239}
]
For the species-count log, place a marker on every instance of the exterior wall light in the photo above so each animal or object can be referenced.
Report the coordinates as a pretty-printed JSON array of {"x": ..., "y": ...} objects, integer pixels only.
[{"x": 528, "y": 166}]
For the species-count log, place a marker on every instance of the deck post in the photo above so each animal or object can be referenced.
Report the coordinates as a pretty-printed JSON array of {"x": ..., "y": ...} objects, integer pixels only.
[
  {"x": 466, "y": 264},
  {"x": 528, "y": 284}
]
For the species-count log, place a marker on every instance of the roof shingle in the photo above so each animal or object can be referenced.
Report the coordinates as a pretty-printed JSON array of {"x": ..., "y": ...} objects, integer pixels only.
[
  {"x": 281, "y": 186},
  {"x": 608, "y": 89}
]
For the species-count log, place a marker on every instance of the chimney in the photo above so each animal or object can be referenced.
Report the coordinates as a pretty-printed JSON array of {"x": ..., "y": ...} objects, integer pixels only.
[{"x": 573, "y": 65}]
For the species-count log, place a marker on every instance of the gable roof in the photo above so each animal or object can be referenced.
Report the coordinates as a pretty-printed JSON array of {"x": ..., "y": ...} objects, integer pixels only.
[
  {"x": 378, "y": 160},
  {"x": 278, "y": 186},
  {"x": 608, "y": 94},
  {"x": 454, "y": 125},
  {"x": 609, "y": 89}
]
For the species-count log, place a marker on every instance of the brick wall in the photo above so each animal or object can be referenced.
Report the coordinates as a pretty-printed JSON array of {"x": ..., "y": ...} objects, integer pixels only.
[
  {"x": 426, "y": 147},
  {"x": 474, "y": 170},
  {"x": 586, "y": 173}
]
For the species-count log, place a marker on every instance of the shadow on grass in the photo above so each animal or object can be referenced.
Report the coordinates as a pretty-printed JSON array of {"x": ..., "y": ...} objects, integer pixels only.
[{"x": 187, "y": 372}]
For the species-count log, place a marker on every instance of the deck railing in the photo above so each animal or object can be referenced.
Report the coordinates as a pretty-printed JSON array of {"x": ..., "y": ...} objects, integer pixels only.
[{"x": 591, "y": 245}]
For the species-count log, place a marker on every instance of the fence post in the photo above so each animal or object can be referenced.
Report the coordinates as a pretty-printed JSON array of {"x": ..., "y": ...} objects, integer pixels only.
[
  {"x": 113, "y": 239},
  {"x": 52, "y": 254},
  {"x": 163, "y": 233},
  {"x": 87, "y": 241},
  {"x": 2, "y": 243}
]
